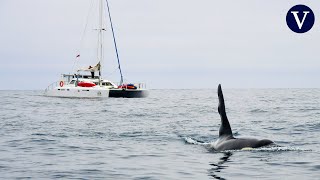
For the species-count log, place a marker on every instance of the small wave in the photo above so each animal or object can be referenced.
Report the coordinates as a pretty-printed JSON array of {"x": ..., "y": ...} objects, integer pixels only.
[
  {"x": 288, "y": 99},
  {"x": 316, "y": 167},
  {"x": 41, "y": 140},
  {"x": 190, "y": 140},
  {"x": 39, "y": 134},
  {"x": 271, "y": 148},
  {"x": 309, "y": 126},
  {"x": 131, "y": 134},
  {"x": 314, "y": 127},
  {"x": 258, "y": 111},
  {"x": 307, "y": 109}
]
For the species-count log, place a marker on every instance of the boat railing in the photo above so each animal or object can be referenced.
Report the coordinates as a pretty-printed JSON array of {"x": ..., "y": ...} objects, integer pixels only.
[
  {"x": 51, "y": 86},
  {"x": 142, "y": 85}
]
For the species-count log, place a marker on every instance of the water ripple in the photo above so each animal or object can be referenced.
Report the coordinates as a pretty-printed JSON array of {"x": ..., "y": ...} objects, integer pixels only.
[{"x": 165, "y": 136}]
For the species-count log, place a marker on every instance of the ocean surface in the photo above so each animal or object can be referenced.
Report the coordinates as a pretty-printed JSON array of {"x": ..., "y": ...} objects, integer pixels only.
[{"x": 164, "y": 136}]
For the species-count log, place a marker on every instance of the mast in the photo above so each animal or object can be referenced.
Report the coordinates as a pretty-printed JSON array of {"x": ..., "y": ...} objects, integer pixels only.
[{"x": 100, "y": 38}]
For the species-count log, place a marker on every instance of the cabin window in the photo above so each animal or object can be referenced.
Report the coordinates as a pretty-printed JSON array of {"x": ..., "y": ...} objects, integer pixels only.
[
  {"x": 72, "y": 82},
  {"x": 106, "y": 84}
]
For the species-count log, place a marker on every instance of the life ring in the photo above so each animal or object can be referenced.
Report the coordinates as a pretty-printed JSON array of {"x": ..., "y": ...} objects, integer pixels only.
[{"x": 61, "y": 83}]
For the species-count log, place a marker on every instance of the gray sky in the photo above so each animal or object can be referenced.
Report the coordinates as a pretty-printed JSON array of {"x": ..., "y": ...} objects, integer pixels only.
[{"x": 167, "y": 43}]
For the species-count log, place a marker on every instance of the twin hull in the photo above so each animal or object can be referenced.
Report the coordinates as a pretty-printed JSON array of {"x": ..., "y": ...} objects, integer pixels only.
[
  {"x": 97, "y": 91},
  {"x": 89, "y": 92}
]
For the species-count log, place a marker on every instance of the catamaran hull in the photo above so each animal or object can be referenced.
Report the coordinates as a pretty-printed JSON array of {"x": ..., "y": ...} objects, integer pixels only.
[
  {"x": 79, "y": 92},
  {"x": 128, "y": 93}
]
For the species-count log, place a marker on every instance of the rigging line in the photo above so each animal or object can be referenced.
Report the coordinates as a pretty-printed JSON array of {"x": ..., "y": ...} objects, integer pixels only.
[
  {"x": 115, "y": 43},
  {"x": 82, "y": 36},
  {"x": 109, "y": 74}
]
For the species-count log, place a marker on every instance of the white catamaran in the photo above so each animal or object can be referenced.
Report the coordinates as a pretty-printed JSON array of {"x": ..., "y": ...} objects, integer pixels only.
[{"x": 85, "y": 83}]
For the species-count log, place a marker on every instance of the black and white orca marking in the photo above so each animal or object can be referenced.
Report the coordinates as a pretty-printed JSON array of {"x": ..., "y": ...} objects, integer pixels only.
[{"x": 226, "y": 140}]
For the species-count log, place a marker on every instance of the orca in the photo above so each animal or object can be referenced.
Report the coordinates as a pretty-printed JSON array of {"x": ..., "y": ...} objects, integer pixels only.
[{"x": 226, "y": 141}]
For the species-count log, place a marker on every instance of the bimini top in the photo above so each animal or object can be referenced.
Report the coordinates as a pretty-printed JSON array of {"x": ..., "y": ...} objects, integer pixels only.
[{"x": 90, "y": 68}]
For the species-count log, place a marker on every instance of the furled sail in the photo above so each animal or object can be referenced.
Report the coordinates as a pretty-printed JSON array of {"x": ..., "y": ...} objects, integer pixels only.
[{"x": 90, "y": 68}]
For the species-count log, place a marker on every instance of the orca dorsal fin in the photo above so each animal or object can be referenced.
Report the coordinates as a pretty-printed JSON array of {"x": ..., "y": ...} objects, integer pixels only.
[{"x": 225, "y": 128}]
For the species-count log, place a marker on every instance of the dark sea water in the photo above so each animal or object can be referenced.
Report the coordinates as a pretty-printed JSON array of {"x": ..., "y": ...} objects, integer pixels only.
[{"x": 164, "y": 136}]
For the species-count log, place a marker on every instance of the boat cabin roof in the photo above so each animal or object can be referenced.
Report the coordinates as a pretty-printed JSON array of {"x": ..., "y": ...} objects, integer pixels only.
[{"x": 79, "y": 76}]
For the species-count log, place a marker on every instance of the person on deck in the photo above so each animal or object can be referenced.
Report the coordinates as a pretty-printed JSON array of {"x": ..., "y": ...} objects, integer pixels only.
[{"x": 92, "y": 71}]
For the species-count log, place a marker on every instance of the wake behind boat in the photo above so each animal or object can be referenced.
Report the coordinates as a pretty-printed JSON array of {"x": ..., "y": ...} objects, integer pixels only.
[{"x": 85, "y": 83}]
